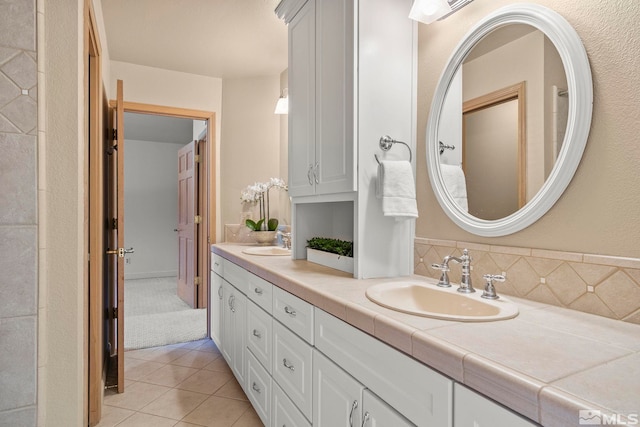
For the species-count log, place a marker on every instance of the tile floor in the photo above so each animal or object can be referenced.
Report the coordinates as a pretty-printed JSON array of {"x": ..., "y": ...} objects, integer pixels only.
[{"x": 179, "y": 385}]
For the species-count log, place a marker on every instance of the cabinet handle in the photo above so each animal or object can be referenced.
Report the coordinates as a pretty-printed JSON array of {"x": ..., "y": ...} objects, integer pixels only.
[
  {"x": 232, "y": 305},
  {"x": 290, "y": 311},
  {"x": 353, "y": 408},
  {"x": 309, "y": 171},
  {"x": 316, "y": 173},
  {"x": 258, "y": 291},
  {"x": 257, "y": 334},
  {"x": 288, "y": 365},
  {"x": 255, "y": 387},
  {"x": 365, "y": 418},
  {"x": 220, "y": 292}
]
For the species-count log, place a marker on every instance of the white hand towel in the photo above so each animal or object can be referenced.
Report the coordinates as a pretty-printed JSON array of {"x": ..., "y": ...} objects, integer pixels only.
[
  {"x": 396, "y": 188},
  {"x": 455, "y": 183}
]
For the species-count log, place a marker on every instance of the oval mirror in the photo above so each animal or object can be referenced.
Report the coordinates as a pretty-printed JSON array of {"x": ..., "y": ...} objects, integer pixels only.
[{"x": 509, "y": 120}]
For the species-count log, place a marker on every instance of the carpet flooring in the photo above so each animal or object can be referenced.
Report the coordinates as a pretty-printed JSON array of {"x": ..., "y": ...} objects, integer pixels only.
[{"x": 155, "y": 315}]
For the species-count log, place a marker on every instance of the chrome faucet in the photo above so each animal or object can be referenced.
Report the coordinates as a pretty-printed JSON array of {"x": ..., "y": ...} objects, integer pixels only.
[
  {"x": 286, "y": 239},
  {"x": 465, "y": 282}
]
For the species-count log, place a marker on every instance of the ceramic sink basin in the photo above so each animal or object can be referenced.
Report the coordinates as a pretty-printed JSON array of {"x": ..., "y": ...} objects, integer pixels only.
[
  {"x": 424, "y": 299},
  {"x": 267, "y": 251}
]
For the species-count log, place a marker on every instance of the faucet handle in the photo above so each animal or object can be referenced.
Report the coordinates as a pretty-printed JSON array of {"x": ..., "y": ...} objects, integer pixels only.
[
  {"x": 444, "y": 277},
  {"x": 489, "y": 289}
]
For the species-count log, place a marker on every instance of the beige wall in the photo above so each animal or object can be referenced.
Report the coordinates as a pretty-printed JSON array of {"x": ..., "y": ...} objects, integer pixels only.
[
  {"x": 598, "y": 213},
  {"x": 250, "y": 144}
]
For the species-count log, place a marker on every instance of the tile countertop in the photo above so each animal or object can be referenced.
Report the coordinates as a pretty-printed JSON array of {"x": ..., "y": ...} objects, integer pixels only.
[{"x": 547, "y": 363}]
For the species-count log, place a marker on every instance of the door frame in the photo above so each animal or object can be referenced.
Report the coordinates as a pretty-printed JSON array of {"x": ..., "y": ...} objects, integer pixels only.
[{"x": 207, "y": 189}]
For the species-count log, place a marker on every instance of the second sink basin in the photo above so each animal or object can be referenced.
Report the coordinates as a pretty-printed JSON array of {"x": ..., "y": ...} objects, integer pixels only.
[
  {"x": 424, "y": 299},
  {"x": 267, "y": 251}
]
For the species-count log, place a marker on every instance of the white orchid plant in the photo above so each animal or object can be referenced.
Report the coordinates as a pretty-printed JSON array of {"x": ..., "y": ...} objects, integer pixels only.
[{"x": 258, "y": 193}]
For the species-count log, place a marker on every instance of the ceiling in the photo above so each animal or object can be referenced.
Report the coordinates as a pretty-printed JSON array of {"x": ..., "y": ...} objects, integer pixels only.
[{"x": 216, "y": 38}]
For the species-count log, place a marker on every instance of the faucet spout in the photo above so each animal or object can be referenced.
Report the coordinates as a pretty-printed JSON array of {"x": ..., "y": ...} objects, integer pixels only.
[{"x": 465, "y": 283}]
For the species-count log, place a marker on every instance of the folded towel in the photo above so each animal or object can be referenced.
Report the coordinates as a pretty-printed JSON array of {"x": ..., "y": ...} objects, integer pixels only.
[
  {"x": 455, "y": 183},
  {"x": 396, "y": 188}
]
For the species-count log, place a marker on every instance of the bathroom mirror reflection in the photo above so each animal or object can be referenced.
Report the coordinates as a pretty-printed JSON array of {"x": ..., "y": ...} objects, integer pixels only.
[{"x": 509, "y": 120}]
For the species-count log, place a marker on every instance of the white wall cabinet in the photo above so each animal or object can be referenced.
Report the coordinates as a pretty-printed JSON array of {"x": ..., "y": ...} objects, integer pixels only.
[{"x": 321, "y": 63}]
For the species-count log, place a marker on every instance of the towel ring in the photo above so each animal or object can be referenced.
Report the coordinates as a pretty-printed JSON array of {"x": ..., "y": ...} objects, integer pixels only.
[{"x": 386, "y": 142}]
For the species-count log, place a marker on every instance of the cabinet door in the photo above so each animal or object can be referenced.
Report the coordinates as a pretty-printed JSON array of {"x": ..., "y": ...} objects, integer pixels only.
[
  {"x": 471, "y": 409},
  {"x": 216, "y": 304},
  {"x": 233, "y": 331},
  {"x": 337, "y": 397},
  {"x": 335, "y": 96},
  {"x": 259, "y": 334},
  {"x": 302, "y": 96},
  {"x": 376, "y": 413}
]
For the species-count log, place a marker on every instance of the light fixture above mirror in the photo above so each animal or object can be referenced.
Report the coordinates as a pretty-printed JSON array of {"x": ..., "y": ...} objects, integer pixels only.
[{"x": 428, "y": 11}]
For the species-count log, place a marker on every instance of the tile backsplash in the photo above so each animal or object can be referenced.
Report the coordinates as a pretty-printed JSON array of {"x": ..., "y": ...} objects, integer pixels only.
[{"x": 597, "y": 284}]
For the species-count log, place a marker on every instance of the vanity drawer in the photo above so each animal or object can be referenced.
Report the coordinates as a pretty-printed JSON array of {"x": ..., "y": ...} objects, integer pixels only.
[
  {"x": 259, "y": 389},
  {"x": 294, "y": 313},
  {"x": 259, "y": 334},
  {"x": 292, "y": 367},
  {"x": 285, "y": 413},
  {"x": 260, "y": 291},
  {"x": 235, "y": 275},
  {"x": 419, "y": 393},
  {"x": 217, "y": 264}
]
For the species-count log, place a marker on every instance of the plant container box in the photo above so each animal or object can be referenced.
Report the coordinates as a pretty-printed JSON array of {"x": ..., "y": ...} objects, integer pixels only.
[{"x": 339, "y": 262}]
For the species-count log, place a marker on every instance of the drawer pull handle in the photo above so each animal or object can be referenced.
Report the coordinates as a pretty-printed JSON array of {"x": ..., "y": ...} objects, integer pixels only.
[
  {"x": 288, "y": 365},
  {"x": 255, "y": 387},
  {"x": 258, "y": 291},
  {"x": 220, "y": 292},
  {"x": 353, "y": 408},
  {"x": 365, "y": 418},
  {"x": 290, "y": 311},
  {"x": 232, "y": 303},
  {"x": 257, "y": 333}
]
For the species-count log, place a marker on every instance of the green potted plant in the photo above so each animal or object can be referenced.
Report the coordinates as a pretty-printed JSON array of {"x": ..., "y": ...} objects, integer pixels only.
[
  {"x": 264, "y": 229},
  {"x": 334, "y": 253}
]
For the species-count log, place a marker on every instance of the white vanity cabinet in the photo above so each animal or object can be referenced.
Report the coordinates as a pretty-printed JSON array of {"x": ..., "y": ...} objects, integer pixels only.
[
  {"x": 321, "y": 64},
  {"x": 234, "y": 313},
  {"x": 474, "y": 410},
  {"x": 215, "y": 304}
]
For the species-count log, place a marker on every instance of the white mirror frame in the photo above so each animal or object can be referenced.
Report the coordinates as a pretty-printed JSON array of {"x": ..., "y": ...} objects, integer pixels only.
[{"x": 580, "y": 87}]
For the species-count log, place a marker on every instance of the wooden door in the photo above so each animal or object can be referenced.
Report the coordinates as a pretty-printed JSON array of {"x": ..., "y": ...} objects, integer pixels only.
[
  {"x": 187, "y": 227},
  {"x": 114, "y": 242}
]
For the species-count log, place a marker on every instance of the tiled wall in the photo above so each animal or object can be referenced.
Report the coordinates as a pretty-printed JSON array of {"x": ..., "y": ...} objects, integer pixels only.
[
  {"x": 18, "y": 213},
  {"x": 596, "y": 284}
]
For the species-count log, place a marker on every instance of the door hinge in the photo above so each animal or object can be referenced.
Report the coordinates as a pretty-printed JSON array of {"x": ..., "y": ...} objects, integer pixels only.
[
  {"x": 114, "y": 134},
  {"x": 114, "y": 223},
  {"x": 196, "y": 158},
  {"x": 197, "y": 219},
  {"x": 114, "y": 312},
  {"x": 196, "y": 281}
]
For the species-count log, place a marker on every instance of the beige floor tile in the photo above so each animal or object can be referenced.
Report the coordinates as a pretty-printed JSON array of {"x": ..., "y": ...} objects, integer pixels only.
[
  {"x": 167, "y": 354},
  {"x": 143, "y": 353},
  {"x": 196, "y": 359},
  {"x": 232, "y": 390},
  {"x": 174, "y": 404},
  {"x": 169, "y": 375},
  {"x": 249, "y": 419},
  {"x": 189, "y": 345},
  {"x": 217, "y": 412},
  {"x": 146, "y": 420},
  {"x": 207, "y": 382},
  {"x": 184, "y": 424},
  {"x": 135, "y": 369},
  {"x": 218, "y": 365},
  {"x": 208, "y": 345},
  {"x": 111, "y": 416},
  {"x": 136, "y": 396}
]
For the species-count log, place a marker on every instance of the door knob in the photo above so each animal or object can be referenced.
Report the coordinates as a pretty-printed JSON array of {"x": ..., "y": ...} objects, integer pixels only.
[{"x": 120, "y": 251}]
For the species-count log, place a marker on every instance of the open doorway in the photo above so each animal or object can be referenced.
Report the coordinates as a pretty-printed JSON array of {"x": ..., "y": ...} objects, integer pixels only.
[{"x": 156, "y": 312}]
